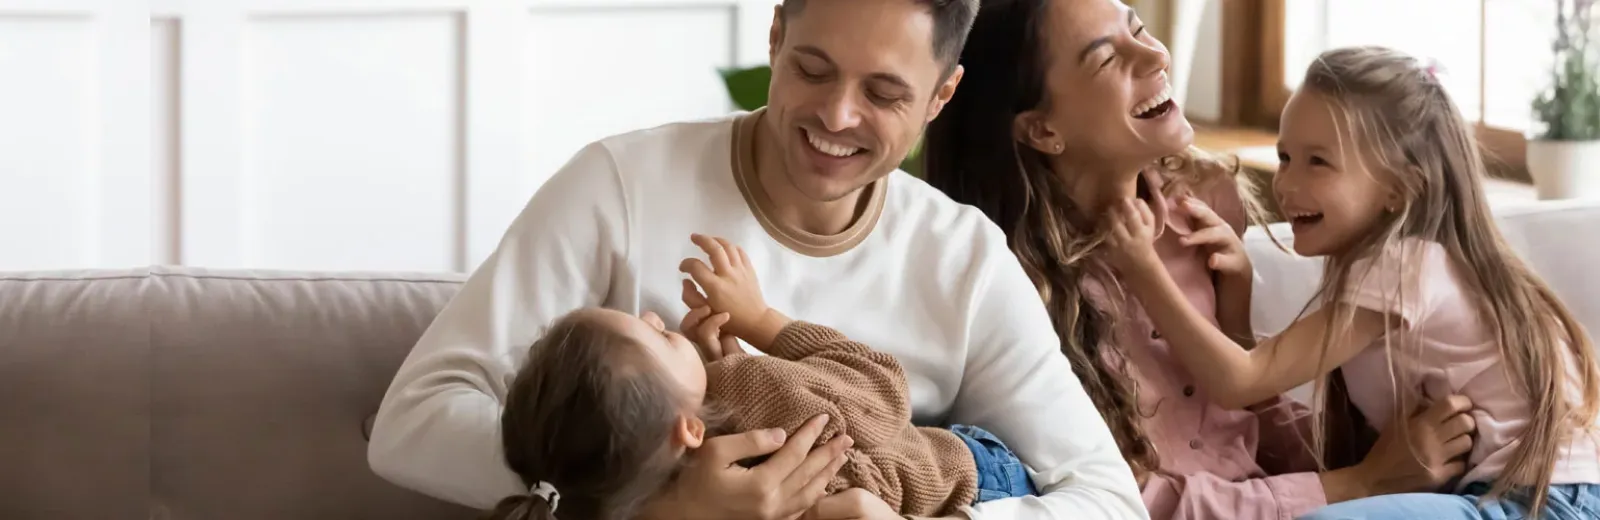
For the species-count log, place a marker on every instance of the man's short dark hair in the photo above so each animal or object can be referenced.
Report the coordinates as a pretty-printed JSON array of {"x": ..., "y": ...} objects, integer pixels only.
[{"x": 952, "y": 19}]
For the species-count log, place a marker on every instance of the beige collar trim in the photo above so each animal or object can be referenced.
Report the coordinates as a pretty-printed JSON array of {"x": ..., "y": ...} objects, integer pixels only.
[{"x": 801, "y": 241}]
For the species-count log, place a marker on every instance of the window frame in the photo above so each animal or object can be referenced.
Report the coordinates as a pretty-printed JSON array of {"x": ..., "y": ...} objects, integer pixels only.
[{"x": 1253, "y": 78}]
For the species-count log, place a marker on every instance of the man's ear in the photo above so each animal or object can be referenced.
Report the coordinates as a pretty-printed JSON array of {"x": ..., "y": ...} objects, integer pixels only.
[
  {"x": 775, "y": 35},
  {"x": 690, "y": 432},
  {"x": 1033, "y": 129},
  {"x": 942, "y": 95}
]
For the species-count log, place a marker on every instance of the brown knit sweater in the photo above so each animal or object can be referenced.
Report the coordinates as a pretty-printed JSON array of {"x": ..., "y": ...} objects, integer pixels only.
[{"x": 812, "y": 370}]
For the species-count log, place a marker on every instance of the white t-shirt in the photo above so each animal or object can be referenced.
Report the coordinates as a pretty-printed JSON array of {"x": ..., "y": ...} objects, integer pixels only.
[
  {"x": 918, "y": 276},
  {"x": 1458, "y": 352}
]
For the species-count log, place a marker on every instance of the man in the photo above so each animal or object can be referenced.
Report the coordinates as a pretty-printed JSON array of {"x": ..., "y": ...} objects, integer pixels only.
[{"x": 808, "y": 187}]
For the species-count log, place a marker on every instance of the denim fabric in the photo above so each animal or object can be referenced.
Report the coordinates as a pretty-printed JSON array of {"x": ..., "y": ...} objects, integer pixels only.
[
  {"x": 1566, "y": 502},
  {"x": 1000, "y": 472}
]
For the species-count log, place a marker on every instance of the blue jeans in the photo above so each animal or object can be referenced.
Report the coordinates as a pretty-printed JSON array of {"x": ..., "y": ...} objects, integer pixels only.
[
  {"x": 1000, "y": 472},
  {"x": 1566, "y": 502}
]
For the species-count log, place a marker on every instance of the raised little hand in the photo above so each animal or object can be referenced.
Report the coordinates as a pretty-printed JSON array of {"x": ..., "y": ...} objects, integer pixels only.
[
  {"x": 1228, "y": 257},
  {"x": 1131, "y": 238},
  {"x": 705, "y": 330},
  {"x": 729, "y": 284}
]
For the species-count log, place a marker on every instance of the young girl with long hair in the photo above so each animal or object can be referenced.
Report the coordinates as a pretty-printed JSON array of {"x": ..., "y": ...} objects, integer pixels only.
[{"x": 1421, "y": 296}]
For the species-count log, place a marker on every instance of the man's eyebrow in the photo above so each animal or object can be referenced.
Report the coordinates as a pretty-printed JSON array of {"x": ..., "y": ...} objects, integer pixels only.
[
  {"x": 807, "y": 49},
  {"x": 892, "y": 78}
]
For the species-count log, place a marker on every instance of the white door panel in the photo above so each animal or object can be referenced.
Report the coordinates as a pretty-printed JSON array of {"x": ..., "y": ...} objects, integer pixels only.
[{"x": 326, "y": 134}]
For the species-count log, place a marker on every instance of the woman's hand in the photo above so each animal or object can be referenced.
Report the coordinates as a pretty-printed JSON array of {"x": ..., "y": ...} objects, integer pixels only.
[
  {"x": 852, "y": 504},
  {"x": 714, "y": 486},
  {"x": 1131, "y": 238},
  {"x": 705, "y": 330}
]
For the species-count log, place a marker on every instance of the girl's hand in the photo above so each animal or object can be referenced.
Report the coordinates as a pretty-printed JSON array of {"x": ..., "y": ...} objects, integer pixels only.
[
  {"x": 729, "y": 283},
  {"x": 1227, "y": 251},
  {"x": 705, "y": 330},
  {"x": 1131, "y": 241}
]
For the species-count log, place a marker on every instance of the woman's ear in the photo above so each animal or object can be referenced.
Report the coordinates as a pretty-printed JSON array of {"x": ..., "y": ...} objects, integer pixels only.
[
  {"x": 691, "y": 431},
  {"x": 1031, "y": 128}
]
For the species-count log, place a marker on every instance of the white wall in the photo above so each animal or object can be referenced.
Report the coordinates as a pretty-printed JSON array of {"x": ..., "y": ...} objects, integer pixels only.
[
  {"x": 1195, "y": 42},
  {"x": 326, "y": 134}
]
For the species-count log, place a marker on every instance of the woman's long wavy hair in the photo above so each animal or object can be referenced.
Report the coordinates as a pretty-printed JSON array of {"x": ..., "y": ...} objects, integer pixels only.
[{"x": 972, "y": 156}]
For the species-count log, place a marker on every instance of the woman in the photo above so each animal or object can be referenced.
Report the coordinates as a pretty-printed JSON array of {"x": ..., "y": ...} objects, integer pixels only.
[{"x": 1064, "y": 109}]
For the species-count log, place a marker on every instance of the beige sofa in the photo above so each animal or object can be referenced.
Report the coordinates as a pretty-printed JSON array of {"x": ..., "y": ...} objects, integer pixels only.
[{"x": 186, "y": 394}]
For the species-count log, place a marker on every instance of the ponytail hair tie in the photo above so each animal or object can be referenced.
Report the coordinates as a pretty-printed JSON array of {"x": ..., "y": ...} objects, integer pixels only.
[
  {"x": 1434, "y": 69},
  {"x": 547, "y": 492}
]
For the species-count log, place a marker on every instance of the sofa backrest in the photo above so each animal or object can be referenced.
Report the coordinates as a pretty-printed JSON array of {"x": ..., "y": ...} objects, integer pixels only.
[
  {"x": 197, "y": 394},
  {"x": 1559, "y": 240}
]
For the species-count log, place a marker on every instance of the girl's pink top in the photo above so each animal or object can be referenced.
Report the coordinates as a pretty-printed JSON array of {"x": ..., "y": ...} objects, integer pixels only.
[{"x": 1457, "y": 352}]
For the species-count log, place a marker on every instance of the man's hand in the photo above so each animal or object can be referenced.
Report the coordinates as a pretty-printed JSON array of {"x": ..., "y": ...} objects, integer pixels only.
[
  {"x": 1130, "y": 237},
  {"x": 1228, "y": 257},
  {"x": 714, "y": 486},
  {"x": 1442, "y": 435},
  {"x": 852, "y": 504}
]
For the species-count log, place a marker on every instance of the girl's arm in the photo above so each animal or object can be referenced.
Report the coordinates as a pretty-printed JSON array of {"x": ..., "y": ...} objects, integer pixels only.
[
  {"x": 1234, "y": 376},
  {"x": 1233, "y": 308}
]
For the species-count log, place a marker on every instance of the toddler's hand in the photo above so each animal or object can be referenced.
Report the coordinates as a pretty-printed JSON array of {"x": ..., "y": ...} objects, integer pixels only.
[
  {"x": 1227, "y": 251},
  {"x": 705, "y": 330},
  {"x": 730, "y": 284},
  {"x": 1131, "y": 238}
]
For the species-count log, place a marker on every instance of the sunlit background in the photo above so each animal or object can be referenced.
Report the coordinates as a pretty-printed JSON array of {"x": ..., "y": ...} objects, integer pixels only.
[{"x": 405, "y": 134}]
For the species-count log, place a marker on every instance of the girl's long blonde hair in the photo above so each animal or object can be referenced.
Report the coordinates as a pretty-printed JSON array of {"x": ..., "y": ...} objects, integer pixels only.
[{"x": 1413, "y": 136}]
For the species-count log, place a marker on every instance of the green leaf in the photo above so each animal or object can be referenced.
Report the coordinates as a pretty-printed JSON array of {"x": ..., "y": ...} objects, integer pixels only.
[
  {"x": 1569, "y": 107},
  {"x": 748, "y": 86}
]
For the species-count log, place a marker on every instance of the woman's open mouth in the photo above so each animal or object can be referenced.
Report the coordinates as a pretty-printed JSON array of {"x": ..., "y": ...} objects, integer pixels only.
[{"x": 1157, "y": 106}]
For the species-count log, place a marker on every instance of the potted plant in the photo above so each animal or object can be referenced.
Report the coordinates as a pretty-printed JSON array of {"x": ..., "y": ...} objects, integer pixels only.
[
  {"x": 748, "y": 88},
  {"x": 1564, "y": 157}
]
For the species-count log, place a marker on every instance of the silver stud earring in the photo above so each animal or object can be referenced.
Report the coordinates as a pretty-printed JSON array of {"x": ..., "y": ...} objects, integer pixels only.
[{"x": 1058, "y": 147}]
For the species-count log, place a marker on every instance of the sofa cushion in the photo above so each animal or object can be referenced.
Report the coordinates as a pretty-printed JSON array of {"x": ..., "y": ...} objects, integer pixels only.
[
  {"x": 75, "y": 416},
  {"x": 200, "y": 394}
]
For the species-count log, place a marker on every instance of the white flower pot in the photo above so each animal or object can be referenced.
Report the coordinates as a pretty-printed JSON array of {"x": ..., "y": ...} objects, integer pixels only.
[{"x": 1565, "y": 169}]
